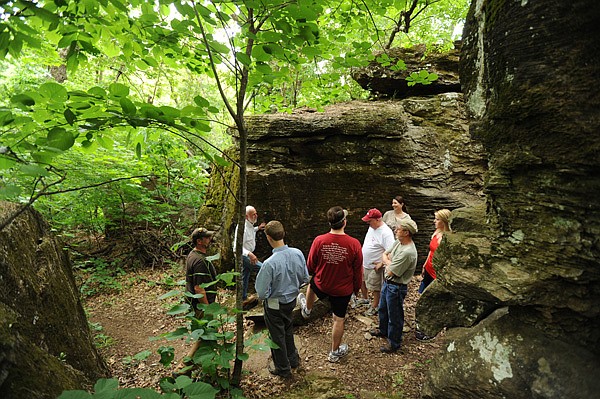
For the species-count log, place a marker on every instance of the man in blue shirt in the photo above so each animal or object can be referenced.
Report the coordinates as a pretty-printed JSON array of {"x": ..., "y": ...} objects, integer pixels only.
[{"x": 278, "y": 284}]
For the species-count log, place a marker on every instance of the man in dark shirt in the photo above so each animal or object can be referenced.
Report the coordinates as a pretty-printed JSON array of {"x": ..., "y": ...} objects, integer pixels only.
[{"x": 198, "y": 270}]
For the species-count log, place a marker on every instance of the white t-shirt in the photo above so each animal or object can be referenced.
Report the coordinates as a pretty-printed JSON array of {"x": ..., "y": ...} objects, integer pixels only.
[{"x": 377, "y": 241}]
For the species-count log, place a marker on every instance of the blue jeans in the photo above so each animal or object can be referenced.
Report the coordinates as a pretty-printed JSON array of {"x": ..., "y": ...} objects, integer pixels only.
[
  {"x": 427, "y": 279},
  {"x": 247, "y": 269},
  {"x": 391, "y": 312}
]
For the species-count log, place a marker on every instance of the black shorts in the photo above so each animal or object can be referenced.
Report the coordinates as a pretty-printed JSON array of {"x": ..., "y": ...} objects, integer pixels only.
[{"x": 339, "y": 304}]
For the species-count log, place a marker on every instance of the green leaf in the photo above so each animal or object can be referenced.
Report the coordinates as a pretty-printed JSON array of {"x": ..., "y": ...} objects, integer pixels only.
[
  {"x": 137, "y": 393},
  {"x": 46, "y": 15},
  {"x": 259, "y": 53},
  {"x": 106, "y": 385},
  {"x": 6, "y": 163},
  {"x": 75, "y": 395},
  {"x": 138, "y": 150},
  {"x": 178, "y": 309},
  {"x": 54, "y": 91},
  {"x": 60, "y": 138},
  {"x": 72, "y": 63},
  {"x": 311, "y": 51},
  {"x": 45, "y": 157},
  {"x": 167, "y": 355},
  {"x": 200, "y": 390},
  {"x": 118, "y": 90},
  {"x": 169, "y": 294},
  {"x": 179, "y": 333},
  {"x": 10, "y": 191},
  {"x": 128, "y": 106},
  {"x": 243, "y": 59},
  {"x": 97, "y": 91},
  {"x": 170, "y": 112},
  {"x": 23, "y": 100},
  {"x": 183, "y": 381},
  {"x": 219, "y": 160},
  {"x": 143, "y": 355},
  {"x": 106, "y": 142},
  {"x": 201, "y": 101},
  {"x": 15, "y": 46},
  {"x": 89, "y": 146},
  {"x": 33, "y": 170},
  {"x": 6, "y": 118},
  {"x": 70, "y": 116},
  {"x": 4, "y": 40}
]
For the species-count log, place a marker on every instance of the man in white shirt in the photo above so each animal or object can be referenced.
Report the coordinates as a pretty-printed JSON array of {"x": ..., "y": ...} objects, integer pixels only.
[
  {"x": 379, "y": 238},
  {"x": 250, "y": 261}
]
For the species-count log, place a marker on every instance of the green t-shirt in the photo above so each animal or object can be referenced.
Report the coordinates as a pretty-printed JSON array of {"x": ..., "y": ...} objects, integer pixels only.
[{"x": 404, "y": 262}]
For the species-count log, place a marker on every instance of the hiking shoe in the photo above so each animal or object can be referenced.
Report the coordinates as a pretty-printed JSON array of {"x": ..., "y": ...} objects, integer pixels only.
[
  {"x": 273, "y": 370},
  {"x": 353, "y": 303},
  {"x": 250, "y": 303},
  {"x": 362, "y": 301},
  {"x": 421, "y": 336},
  {"x": 387, "y": 348},
  {"x": 336, "y": 355},
  {"x": 371, "y": 312},
  {"x": 302, "y": 301},
  {"x": 376, "y": 332}
]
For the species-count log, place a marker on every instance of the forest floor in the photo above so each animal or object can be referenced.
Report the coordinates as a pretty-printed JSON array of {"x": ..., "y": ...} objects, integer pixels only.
[{"x": 128, "y": 320}]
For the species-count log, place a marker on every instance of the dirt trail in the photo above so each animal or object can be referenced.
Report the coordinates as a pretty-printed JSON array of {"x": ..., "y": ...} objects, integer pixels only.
[{"x": 135, "y": 315}]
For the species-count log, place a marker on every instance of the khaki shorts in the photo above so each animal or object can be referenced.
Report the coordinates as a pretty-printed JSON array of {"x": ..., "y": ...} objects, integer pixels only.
[{"x": 373, "y": 279}]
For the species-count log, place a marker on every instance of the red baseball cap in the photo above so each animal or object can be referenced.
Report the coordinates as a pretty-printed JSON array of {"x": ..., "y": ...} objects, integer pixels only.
[{"x": 372, "y": 214}]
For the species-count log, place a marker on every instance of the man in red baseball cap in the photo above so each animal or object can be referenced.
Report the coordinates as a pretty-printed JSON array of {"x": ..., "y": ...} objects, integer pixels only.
[{"x": 379, "y": 238}]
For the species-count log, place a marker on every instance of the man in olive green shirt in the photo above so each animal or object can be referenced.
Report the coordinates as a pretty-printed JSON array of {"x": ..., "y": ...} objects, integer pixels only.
[{"x": 400, "y": 263}]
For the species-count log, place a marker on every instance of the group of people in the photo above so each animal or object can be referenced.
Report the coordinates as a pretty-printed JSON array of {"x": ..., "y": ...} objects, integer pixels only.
[{"x": 342, "y": 270}]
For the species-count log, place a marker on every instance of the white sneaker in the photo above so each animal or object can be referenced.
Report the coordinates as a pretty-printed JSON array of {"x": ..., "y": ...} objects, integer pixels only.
[
  {"x": 371, "y": 312},
  {"x": 334, "y": 356},
  {"x": 302, "y": 301},
  {"x": 362, "y": 301}
]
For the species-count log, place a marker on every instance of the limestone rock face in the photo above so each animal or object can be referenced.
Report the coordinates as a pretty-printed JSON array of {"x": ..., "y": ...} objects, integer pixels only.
[
  {"x": 525, "y": 69},
  {"x": 385, "y": 82},
  {"x": 45, "y": 341},
  {"x": 359, "y": 155}
]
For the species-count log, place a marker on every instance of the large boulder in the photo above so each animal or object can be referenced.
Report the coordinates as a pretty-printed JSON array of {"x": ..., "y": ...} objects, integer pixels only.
[
  {"x": 495, "y": 360},
  {"x": 45, "y": 341},
  {"x": 526, "y": 70},
  {"x": 358, "y": 155}
]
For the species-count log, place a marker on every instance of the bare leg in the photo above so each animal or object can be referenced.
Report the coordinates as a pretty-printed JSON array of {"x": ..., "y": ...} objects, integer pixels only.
[
  {"x": 363, "y": 290},
  {"x": 337, "y": 332},
  {"x": 193, "y": 349},
  {"x": 310, "y": 298},
  {"x": 376, "y": 296}
]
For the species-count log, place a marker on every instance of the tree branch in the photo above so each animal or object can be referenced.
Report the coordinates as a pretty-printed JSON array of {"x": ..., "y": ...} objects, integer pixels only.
[{"x": 44, "y": 193}]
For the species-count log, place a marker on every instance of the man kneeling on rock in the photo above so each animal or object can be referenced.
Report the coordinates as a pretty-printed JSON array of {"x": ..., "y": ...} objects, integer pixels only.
[{"x": 278, "y": 284}]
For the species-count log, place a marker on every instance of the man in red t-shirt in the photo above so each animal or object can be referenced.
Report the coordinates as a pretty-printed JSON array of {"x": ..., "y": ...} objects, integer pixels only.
[{"x": 335, "y": 262}]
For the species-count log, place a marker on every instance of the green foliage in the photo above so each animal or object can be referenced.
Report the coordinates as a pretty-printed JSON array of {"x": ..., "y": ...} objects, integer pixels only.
[
  {"x": 213, "y": 360},
  {"x": 183, "y": 387},
  {"x": 422, "y": 77},
  {"x": 211, "y": 363},
  {"x": 144, "y": 88},
  {"x": 101, "y": 340},
  {"x": 103, "y": 277},
  {"x": 138, "y": 357}
]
